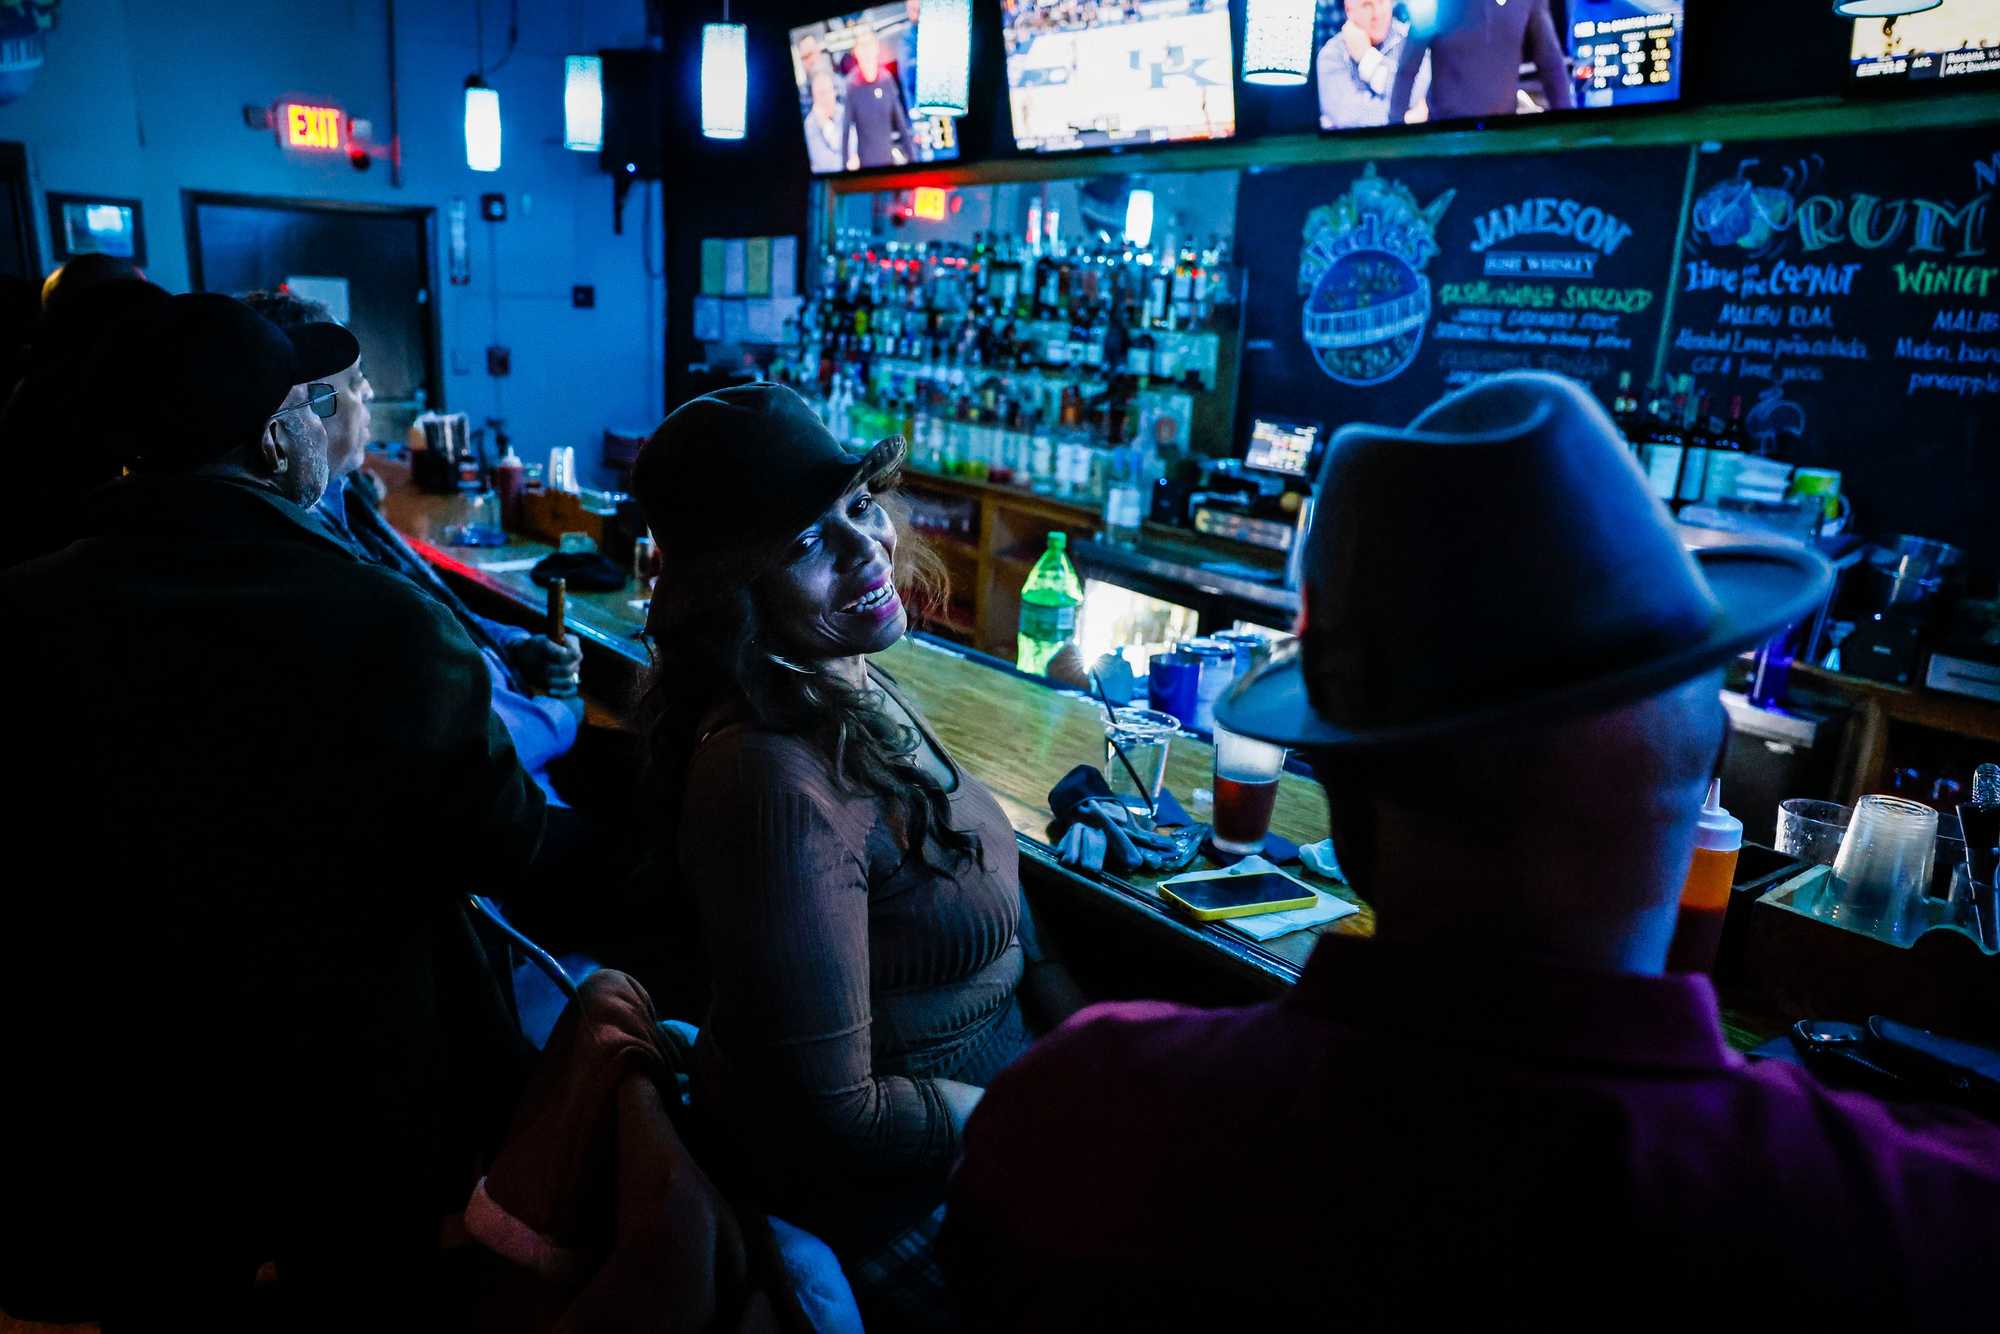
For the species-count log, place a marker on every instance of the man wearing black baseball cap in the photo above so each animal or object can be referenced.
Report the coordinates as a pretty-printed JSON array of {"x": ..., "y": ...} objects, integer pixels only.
[
  {"x": 1501, "y": 1111},
  {"x": 251, "y": 1035},
  {"x": 206, "y": 385}
]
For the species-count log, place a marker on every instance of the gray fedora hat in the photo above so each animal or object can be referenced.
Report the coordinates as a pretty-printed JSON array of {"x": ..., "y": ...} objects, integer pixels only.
[{"x": 1502, "y": 559}]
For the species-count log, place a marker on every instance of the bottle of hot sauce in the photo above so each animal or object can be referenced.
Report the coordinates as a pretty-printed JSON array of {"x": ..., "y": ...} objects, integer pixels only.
[{"x": 1705, "y": 896}]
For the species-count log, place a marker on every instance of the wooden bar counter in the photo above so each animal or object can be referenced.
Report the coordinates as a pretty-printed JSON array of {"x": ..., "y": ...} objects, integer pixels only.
[{"x": 1017, "y": 734}]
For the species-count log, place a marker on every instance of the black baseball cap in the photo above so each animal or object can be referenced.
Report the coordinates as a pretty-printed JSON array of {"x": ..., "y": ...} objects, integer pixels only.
[
  {"x": 729, "y": 477},
  {"x": 205, "y": 372}
]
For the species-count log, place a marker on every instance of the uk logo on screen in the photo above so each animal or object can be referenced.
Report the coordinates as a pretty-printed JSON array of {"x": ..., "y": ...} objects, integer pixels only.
[{"x": 1361, "y": 273}]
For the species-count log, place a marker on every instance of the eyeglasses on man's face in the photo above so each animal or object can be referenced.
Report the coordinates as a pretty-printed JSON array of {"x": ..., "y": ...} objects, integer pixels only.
[{"x": 323, "y": 399}]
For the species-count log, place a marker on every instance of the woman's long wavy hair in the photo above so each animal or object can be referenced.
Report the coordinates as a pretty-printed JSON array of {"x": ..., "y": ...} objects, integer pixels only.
[{"x": 721, "y": 663}]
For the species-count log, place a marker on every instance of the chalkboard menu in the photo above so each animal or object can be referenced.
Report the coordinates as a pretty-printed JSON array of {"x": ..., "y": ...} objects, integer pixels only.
[
  {"x": 1377, "y": 287},
  {"x": 1848, "y": 291}
]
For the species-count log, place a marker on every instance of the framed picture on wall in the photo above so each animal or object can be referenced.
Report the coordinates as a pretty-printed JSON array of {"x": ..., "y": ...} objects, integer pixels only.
[{"x": 96, "y": 225}]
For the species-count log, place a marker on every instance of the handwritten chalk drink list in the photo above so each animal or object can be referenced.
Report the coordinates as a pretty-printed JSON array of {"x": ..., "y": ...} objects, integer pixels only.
[
  {"x": 1849, "y": 291},
  {"x": 1377, "y": 287}
]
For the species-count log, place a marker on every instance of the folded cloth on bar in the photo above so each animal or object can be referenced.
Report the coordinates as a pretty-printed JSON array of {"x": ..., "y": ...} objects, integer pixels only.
[
  {"x": 1168, "y": 813},
  {"x": 1271, "y": 925},
  {"x": 1277, "y": 848},
  {"x": 584, "y": 572},
  {"x": 1085, "y": 783},
  {"x": 1099, "y": 833},
  {"x": 1319, "y": 858}
]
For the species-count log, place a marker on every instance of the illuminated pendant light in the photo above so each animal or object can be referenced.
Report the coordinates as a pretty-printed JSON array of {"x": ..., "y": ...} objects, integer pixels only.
[
  {"x": 944, "y": 57},
  {"x": 583, "y": 103},
  {"x": 1277, "y": 42},
  {"x": 725, "y": 78},
  {"x": 1139, "y": 218},
  {"x": 1882, "y": 9},
  {"x": 482, "y": 125}
]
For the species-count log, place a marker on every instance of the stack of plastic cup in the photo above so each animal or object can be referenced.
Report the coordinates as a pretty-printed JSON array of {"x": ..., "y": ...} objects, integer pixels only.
[
  {"x": 1883, "y": 868},
  {"x": 1218, "y": 670}
]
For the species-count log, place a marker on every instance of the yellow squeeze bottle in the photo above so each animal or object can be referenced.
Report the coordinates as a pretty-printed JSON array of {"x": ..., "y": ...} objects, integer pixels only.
[{"x": 1705, "y": 896}]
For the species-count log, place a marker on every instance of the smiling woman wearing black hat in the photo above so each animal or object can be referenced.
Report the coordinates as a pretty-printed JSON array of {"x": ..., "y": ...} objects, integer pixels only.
[{"x": 855, "y": 895}]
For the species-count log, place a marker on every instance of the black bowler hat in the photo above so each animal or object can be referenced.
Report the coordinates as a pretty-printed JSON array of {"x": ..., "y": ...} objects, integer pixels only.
[
  {"x": 730, "y": 476},
  {"x": 201, "y": 373},
  {"x": 1502, "y": 559}
]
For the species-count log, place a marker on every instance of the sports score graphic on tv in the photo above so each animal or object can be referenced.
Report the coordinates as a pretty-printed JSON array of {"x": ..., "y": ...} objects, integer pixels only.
[
  {"x": 1405, "y": 62},
  {"x": 1957, "y": 38},
  {"x": 857, "y": 79},
  {"x": 1083, "y": 74}
]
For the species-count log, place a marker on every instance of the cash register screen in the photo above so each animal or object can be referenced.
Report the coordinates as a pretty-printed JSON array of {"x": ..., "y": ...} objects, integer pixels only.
[{"x": 1282, "y": 446}]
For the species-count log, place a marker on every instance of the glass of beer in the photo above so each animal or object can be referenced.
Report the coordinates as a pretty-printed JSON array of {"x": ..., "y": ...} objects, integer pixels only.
[{"x": 1246, "y": 790}]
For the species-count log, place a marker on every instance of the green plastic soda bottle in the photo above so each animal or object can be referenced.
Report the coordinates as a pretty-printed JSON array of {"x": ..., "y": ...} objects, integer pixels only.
[{"x": 1050, "y": 601}]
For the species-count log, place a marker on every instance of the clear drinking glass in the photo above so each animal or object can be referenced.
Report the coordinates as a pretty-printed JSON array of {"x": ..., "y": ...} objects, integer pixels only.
[
  {"x": 1144, "y": 735},
  {"x": 1883, "y": 869},
  {"x": 1811, "y": 830},
  {"x": 478, "y": 523},
  {"x": 1246, "y": 790}
]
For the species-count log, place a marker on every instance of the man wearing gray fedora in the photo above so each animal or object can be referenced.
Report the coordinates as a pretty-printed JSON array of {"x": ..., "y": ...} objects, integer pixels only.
[{"x": 1501, "y": 1111}]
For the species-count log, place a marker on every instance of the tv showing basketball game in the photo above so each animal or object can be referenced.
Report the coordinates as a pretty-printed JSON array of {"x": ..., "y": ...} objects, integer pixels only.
[
  {"x": 1952, "y": 40},
  {"x": 1408, "y": 62},
  {"x": 857, "y": 80},
  {"x": 1083, "y": 74}
]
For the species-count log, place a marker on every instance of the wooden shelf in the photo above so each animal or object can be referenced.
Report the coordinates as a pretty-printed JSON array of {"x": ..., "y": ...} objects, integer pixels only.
[
  {"x": 1014, "y": 497},
  {"x": 1868, "y": 742},
  {"x": 1021, "y": 557},
  {"x": 948, "y": 545},
  {"x": 1906, "y": 704},
  {"x": 987, "y": 573}
]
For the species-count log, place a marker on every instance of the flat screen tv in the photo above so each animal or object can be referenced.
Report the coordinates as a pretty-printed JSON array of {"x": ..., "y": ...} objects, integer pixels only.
[
  {"x": 1955, "y": 39},
  {"x": 1407, "y": 62},
  {"x": 1100, "y": 74},
  {"x": 857, "y": 79}
]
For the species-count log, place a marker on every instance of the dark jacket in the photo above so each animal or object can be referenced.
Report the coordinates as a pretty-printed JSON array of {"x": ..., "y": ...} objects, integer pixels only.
[
  {"x": 1476, "y": 49},
  {"x": 233, "y": 1028}
]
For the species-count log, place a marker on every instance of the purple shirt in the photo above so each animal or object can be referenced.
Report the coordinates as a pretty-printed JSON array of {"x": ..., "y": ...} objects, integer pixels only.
[{"x": 1417, "y": 1140}]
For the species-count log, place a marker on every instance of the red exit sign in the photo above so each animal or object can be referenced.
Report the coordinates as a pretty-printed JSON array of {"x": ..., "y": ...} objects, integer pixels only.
[{"x": 309, "y": 127}]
